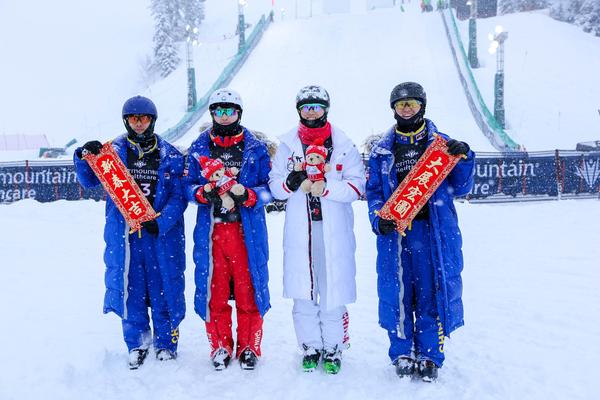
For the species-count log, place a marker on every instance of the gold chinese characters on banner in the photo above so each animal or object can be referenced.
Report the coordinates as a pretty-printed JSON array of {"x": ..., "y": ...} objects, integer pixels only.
[
  {"x": 121, "y": 187},
  {"x": 420, "y": 183}
]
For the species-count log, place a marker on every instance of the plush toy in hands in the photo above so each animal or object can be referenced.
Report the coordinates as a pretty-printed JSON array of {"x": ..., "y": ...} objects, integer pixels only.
[
  {"x": 221, "y": 179},
  {"x": 315, "y": 167}
]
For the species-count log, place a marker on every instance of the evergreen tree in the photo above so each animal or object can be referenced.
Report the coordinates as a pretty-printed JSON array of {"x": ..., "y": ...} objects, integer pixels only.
[
  {"x": 185, "y": 13},
  {"x": 166, "y": 54},
  {"x": 589, "y": 17},
  {"x": 584, "y": 13},
  {"x": 193, "y": 12},
  {"x": 511, "y": 6},
  {"x": 573, "y": 10},
  {"x": 508, "y": 6}
]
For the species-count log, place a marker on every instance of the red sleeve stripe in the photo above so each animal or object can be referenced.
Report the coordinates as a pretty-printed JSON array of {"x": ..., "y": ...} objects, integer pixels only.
[
  {"x": 355, "y": 189},
  {"x": 200, "y": 196},
  {"x": 325, "y": 192},
  {"x": 285, "y": 187},
  {"x": 251, "y": 198}
]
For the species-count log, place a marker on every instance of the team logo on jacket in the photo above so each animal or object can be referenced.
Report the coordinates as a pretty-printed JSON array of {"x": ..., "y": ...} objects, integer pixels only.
[
  {"x": 140, "y": 164},
  {"x": 412, "y": 154}
]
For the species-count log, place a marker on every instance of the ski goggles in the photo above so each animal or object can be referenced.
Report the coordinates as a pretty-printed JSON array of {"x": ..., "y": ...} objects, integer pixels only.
[
  {"x": 311, "y": 107},
  {"x": 220, "y": 112},
  {"x": 144, "y": 119},
  {"x": 411, "y": 103}
]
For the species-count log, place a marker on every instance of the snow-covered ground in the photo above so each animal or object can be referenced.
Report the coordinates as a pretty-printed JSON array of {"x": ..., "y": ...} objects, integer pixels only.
[
  {"x": 532, "y": 304},
  {"x": 532, "y": 308}
]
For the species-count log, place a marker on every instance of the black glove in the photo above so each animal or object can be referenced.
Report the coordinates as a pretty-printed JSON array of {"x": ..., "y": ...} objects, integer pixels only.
[
  {"x": 455, "y": 147},
  {"x": 386, "y": 226},
  {"x": 151, "y": 227},
  {"x": 294, "y": 179},
  {"x": 212, "y": 196},
  {"x": 241, "y": 199},
  {"x": 93, "y": 147}
]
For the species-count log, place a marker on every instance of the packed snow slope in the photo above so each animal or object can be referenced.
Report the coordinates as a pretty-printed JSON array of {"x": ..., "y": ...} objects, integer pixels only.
[
  {"x": 532, "y": 304},
  {"x": 551, "y": 79},
  {"x": 358, "y": 58},
  {"x": 532, "y": 313}
]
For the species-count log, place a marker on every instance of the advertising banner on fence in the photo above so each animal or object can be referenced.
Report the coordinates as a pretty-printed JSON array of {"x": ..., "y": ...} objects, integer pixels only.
[
  {"x": 536, "y": 176},
  {"x": 43, "y": 182},
  {"x": 499, "y": 177}
]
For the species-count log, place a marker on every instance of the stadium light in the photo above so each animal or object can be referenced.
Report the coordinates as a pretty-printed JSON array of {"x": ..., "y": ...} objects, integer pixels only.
[
  {"x": 241, "y": 25},
  {"x": 473, "y": 61},
  {"x": 192, "y": 41},
  {"x": 497, "y": 40}
]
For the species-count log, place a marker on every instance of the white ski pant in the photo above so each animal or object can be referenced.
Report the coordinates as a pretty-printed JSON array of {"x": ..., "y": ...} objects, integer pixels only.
[{"x": 315, "y": 325}]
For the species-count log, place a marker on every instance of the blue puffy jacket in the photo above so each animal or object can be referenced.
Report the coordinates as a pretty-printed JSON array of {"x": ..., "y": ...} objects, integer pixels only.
[
  {"x": 444, "y": 234},
  {"x": 170, "y": 244},
  {"x": 254, "y": 174}
]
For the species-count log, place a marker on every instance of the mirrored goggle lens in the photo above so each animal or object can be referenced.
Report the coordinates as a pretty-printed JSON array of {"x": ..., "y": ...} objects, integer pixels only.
[
  {"x": 311, "y": 107},
  {"x": 144, "y": 119},
  {"x": 412, "y": 103},
  {"x": 219, "y": 112}
]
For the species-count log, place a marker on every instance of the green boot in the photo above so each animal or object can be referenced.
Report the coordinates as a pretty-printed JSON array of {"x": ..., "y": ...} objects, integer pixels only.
[
  {"x": 332, "y": 362},
  {"x": 311, "y": 358}
]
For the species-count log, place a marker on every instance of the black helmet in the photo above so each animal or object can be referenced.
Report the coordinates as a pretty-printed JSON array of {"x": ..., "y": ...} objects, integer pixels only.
[
  {"x": 408, "y": 90},
  {"x": 312, "y": 94}
]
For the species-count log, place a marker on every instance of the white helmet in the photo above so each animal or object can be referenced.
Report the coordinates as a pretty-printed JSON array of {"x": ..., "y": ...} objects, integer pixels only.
[{"x": 225, "y": 96}]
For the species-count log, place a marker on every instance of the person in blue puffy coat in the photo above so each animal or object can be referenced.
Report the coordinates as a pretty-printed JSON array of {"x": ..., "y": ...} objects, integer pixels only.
[
  {"x": 418, "y": 275},
  {"x": 231, "y": 248},
  {"x": 144, "y": 268}
]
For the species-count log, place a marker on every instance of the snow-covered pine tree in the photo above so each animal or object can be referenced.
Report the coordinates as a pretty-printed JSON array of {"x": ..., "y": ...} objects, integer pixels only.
[
  {"x": 166, "y": 54},
  {"x": 589, "y": 17},
  {"x": 508, "y": 6},
  {"x": 573, "y": 10},
  {"x": 192, "y": 12},
  {"x": 511, "y": 6},
  {"x": 558, "y": 10},
  {"x": 183, "y": 13}
]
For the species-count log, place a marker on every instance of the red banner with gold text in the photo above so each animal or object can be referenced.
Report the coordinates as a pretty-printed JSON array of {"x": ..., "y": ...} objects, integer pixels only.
[
  {"x": 121, "y": 187},
  {"x": 420, "y": 183}
]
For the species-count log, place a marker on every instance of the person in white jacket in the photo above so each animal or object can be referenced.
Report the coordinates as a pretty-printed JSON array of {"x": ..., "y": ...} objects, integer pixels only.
[{"x": 319, "y": 245}]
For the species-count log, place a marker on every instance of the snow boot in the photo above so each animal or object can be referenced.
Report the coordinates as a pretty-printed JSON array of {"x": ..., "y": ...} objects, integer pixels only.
[
  {"x": 428, "y": 371},
  {"x": 221, "y": 359},
  {"x": 405, "y": 366},
  {"x": 332, "y": 361},
  {"x": 137, "y": 357},
  {"x": 165, "y": 355},
  {"x": 248, "y": 359},
  {"x": 311, "y": 358}
]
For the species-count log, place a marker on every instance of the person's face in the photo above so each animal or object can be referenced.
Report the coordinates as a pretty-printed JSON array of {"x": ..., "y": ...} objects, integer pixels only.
[
  {"x": 407, "y": 108},
  {"x": 312, "y": 111},
  {"x": 139, "y": 123},
  {"x": 225, "y": 115}
]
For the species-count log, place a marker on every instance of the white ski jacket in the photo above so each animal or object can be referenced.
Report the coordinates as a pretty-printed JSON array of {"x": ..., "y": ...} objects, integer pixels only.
[{"x": 345, "y": 184}]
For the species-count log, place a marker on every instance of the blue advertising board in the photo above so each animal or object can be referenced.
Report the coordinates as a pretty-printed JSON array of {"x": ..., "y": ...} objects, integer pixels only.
[{"x": 499, "y": 177}]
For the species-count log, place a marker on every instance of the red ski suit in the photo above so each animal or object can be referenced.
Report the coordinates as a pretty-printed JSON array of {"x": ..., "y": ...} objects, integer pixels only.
[{"x": 230, "y": 261}]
